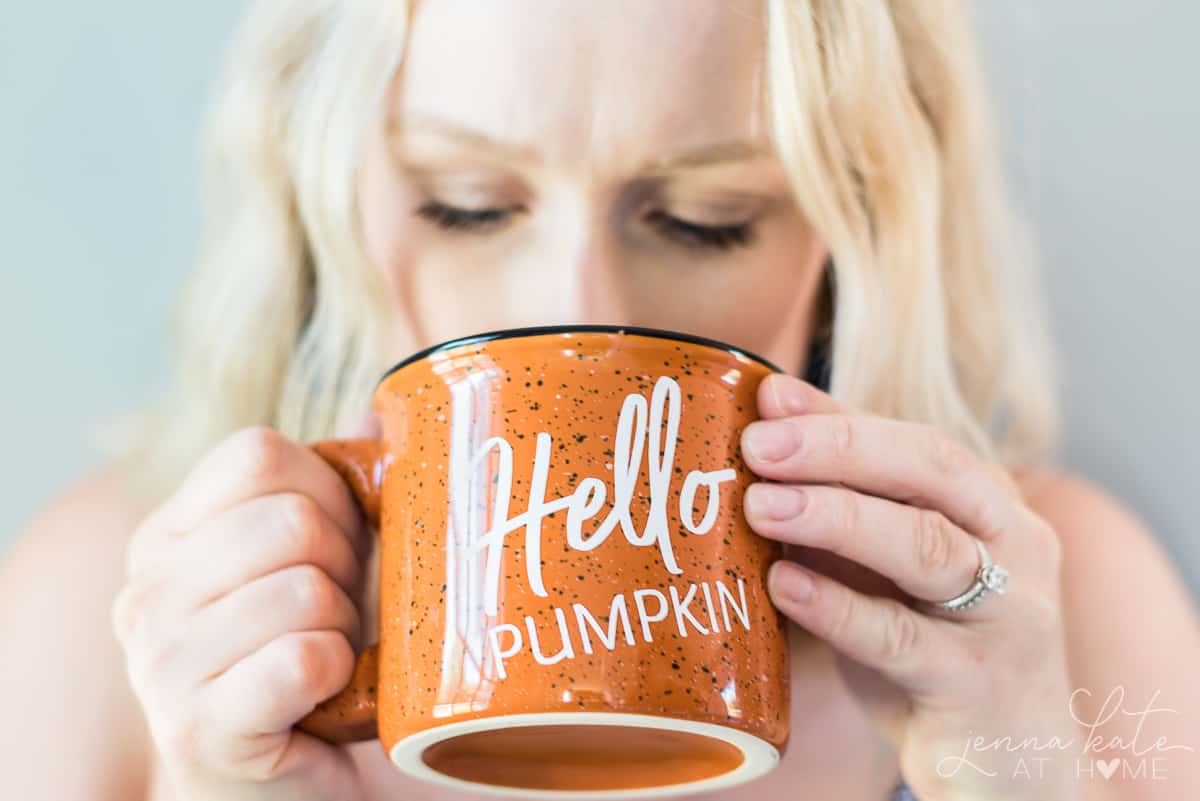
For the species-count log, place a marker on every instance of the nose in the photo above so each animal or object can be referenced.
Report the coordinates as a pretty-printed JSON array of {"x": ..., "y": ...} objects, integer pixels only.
[{"x": 587, "y": 283}]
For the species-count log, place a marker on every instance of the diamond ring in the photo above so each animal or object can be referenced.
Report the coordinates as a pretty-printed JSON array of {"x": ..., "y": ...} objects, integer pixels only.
[{"x": 989, "y": 578}]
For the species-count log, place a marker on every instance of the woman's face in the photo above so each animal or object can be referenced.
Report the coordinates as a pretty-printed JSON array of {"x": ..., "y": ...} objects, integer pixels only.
[{"x": 546, "y": 163}]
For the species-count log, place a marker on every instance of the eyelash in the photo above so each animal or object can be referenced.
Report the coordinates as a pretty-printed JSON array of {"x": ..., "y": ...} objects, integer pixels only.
[
  {"x": 690, "y": 235},
  {"x": 456, "y": 219}
]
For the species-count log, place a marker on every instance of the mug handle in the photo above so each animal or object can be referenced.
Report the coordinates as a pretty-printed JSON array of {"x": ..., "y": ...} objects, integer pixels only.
[{"x": 349, "y": 715}]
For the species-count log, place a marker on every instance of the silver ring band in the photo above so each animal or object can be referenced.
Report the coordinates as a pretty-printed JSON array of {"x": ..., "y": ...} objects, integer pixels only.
[{"x": 990, "y": 577}]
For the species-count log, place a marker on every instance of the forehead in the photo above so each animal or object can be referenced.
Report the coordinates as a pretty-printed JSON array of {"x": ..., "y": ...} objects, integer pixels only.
[{"x": 577, "y": 79}]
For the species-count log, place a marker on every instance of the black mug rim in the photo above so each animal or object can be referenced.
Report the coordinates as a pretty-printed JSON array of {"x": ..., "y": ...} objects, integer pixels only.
[{"x": 584, "y": 328}]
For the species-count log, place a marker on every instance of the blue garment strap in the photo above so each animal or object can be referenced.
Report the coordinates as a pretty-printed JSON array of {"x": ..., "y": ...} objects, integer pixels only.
[{"x": 819, "y": 366}]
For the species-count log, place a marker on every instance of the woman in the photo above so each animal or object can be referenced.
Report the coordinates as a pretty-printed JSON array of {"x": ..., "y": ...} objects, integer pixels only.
[{"x": 815, "y": 182}]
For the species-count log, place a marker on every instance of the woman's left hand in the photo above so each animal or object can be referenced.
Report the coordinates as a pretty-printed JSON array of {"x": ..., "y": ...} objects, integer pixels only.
[{"x": 906, "y": 501}]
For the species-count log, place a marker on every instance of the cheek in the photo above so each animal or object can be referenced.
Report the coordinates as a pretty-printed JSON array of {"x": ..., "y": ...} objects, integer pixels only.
[
  {"x": 385, "y": 210},
  {"x": 763, "y": 302},
  {"x": 776, "y": 311},
  {"x": 429, "y": 304},
  {"x": 781, "y": 309}
]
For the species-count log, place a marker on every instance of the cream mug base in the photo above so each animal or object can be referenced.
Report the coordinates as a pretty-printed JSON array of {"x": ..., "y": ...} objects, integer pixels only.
[{"x": 757, "y": 755}]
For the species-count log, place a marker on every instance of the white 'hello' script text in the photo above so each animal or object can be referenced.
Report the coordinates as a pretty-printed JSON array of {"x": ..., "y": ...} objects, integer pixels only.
[{"x": 659, "y": 421}]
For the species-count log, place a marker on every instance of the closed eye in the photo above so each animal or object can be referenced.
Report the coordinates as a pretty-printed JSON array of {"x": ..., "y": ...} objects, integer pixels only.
[
  {"x": 718, "y": 237},
  {"x": 456, "y": 219},
  {"x": 688, "y": 234}
]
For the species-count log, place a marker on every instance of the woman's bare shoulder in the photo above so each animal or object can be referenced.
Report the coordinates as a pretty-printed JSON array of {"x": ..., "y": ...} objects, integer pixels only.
[
  {"x": 57, "y": 584},
  {"x": 1087, "y": 516},
  {"x": 1131, "y": 626},
  {"x": 100, "y": 501},
  {"x": 1108, "y": 550},
  {"x": 81, "y": 532}
]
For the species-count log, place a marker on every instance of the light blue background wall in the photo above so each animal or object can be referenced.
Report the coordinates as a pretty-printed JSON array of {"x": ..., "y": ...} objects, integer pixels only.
[{"x": 100, "y": 104}]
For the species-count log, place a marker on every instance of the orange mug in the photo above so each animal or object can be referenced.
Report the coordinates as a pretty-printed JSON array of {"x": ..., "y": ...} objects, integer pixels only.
[{"x": 571, "y": 600}]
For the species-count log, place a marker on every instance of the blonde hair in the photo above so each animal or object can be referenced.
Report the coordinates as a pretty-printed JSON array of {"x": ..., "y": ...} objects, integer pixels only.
[{"x": 879, "y": 112}]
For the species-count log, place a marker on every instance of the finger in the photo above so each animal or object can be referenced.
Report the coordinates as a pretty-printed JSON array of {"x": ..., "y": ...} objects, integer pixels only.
[
  {"x": 300, "y": 598},
  {"x": 920, "y": 550},
  {"x": 256, "y": 538},
  {"x": 907, "y": 462},
  {"x": 281, "y": 682},
  {"x": 252, "y": 462},
  {"x": 782, "y": 395},
  {"x": 227, "y": 554},
  {"x": 249, "y": 711},
  {"x": 259, "y": 461},
  {"x": 127, "y": 606},
  {"x": 295, "y": 765},
  {"x": 912, "y": 650}
]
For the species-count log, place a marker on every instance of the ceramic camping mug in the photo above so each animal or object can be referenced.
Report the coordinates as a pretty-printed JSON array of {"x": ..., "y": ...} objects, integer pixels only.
[{"x": 571, "y": 598}]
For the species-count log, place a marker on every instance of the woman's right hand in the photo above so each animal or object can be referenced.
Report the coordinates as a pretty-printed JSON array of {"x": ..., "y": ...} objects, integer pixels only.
[{"x": 236, "y": 620}]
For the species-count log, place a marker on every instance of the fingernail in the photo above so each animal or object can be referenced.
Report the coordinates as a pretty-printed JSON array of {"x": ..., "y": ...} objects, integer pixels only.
[
  {"x": 786, "y": 393},
  {"x": 793, "y": 582},
  {"x": 768, "y": 441},
  {"x": 778, "y": 501}
]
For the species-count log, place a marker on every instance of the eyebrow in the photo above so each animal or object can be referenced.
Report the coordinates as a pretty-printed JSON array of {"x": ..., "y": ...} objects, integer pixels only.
[{"x": 705, "y": 155}]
